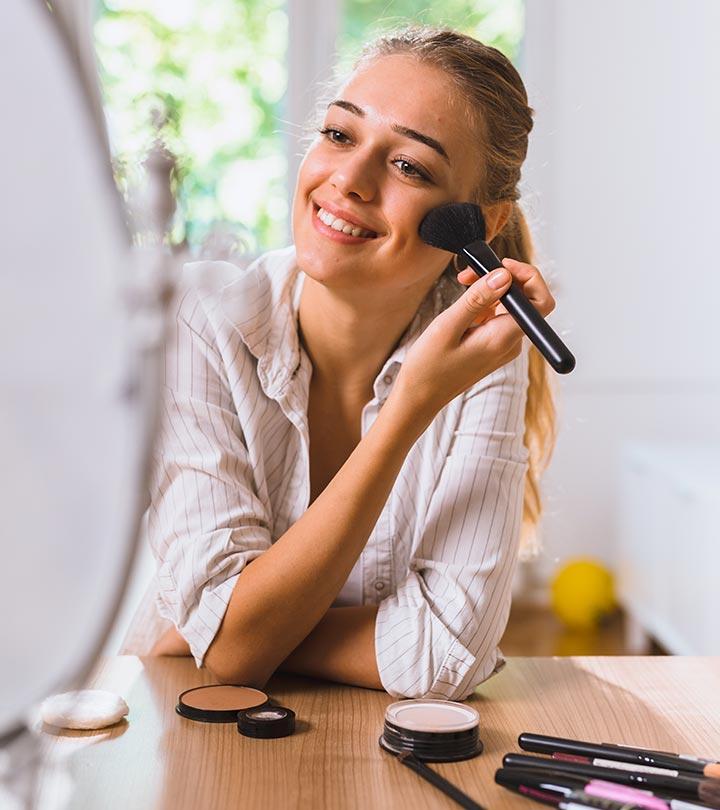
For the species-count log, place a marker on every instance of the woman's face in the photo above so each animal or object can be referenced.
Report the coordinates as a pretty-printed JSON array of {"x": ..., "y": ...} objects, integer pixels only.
[{"x": 393, "y": 146}]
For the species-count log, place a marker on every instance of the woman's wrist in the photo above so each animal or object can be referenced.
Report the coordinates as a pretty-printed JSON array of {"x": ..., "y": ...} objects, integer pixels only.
[{"x": 410, "y": 408}]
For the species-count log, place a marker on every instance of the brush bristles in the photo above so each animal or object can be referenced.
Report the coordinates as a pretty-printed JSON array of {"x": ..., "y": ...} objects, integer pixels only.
[{"x": 451, "y": 227}]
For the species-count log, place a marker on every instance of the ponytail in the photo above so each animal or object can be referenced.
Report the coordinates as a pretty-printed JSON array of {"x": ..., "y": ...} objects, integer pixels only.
[{"x": 515, "y": 242}]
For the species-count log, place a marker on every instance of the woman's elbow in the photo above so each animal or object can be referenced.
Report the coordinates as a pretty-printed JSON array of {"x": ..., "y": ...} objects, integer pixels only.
[
  {"x": 229, "y": 668},
  {"x": 171, "y": 643},
  {"x": 237, "y": 676}
]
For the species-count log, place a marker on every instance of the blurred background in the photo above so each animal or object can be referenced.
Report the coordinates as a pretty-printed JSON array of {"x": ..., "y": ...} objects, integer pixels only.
[
  {"x": 620, "y": 188},
  {"x": 231, "y": 86}
]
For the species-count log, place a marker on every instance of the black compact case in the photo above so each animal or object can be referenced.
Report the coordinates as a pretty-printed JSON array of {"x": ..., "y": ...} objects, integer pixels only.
[{"x": 266, "y": 722}]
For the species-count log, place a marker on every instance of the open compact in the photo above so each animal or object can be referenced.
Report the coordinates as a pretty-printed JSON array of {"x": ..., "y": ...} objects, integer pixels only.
[
  {"x": 268, "y": 721},
  {"x": 252, "y": 709},
  {"x": 220, "y": 703},
  {"x": 432, "y": 730}
]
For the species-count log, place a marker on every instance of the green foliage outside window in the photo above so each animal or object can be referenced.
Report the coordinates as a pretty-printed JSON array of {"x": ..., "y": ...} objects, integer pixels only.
[
  {"x": 215, "y": 71},
  {"x": 495, "y": 22},
  {"x": 212, "y": 77}
]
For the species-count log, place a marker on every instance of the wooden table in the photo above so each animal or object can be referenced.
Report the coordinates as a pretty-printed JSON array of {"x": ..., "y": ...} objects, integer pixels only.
[{"x": 158, "y": 759}]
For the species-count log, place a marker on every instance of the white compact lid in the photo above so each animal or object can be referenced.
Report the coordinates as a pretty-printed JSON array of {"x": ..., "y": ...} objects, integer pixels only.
[{"x": 438, "y": 716}]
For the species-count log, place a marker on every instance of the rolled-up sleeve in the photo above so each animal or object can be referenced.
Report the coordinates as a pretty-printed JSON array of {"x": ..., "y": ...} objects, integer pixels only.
[
  {"x": 206, "y": 521},
  {"x": 437, "y": 635}
]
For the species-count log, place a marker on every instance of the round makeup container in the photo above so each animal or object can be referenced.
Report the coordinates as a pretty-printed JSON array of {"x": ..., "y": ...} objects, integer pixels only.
[
  {"x": 219, "y": 703},
  {"x": 266, "y": 722},
  {"x": 432, "y": 730}
]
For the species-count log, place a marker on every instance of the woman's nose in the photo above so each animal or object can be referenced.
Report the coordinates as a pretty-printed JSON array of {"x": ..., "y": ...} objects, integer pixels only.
[{"x": 355, "y": 176}]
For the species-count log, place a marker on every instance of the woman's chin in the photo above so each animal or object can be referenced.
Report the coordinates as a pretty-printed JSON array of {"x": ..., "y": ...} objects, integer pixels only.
[{"x": 329, "y": 267}]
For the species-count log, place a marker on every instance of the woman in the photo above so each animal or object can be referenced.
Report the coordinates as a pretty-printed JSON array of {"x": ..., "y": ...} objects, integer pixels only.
[{"x": 350, "y": 419}]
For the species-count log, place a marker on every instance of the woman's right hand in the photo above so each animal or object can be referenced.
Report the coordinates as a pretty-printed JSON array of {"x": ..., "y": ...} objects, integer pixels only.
[{"x": 470, "y": 339}]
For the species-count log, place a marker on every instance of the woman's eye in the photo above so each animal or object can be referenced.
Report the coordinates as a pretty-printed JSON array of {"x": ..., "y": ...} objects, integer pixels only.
[
  {"x": 406, "y": 167},
  {"x": 334, "y": 135},
  {"x": 410, "y": 169}
]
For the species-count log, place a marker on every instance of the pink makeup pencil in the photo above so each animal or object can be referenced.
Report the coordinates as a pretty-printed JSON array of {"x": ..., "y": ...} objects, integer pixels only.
[
  {"x": 692, "y": 787},
  {"x": 565, "y": 784},
  {"x": 550, "y": 791}
]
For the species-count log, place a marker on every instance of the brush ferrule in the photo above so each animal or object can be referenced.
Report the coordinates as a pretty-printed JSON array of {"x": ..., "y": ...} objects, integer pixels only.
[{"x": 481, "y": 257}]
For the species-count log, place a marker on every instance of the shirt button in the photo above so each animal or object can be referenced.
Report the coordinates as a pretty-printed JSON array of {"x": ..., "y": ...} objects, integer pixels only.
[
  {"x": 379, "y": 585},
  {"x": 387, "y": 379}
]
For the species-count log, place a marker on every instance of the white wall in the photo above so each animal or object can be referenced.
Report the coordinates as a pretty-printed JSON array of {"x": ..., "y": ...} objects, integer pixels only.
[{"x": 623, "y": 182}]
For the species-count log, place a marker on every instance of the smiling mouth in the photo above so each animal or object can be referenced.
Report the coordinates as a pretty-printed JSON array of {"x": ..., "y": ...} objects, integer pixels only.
[{"x": 341, "y": 225}]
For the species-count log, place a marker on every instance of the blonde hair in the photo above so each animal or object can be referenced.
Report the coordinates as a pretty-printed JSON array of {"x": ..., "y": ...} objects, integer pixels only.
[{"x": 497, "y": 107}]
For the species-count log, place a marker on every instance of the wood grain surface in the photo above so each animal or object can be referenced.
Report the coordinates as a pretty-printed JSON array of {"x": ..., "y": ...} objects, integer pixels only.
[{"x": 157, "y": 759}]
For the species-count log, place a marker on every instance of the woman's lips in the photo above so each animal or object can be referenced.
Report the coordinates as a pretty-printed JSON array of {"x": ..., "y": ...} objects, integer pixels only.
[{"x": 343, "y": 232}]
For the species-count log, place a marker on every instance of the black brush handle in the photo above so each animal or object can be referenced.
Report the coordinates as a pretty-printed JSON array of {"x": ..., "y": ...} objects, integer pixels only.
[
  {"x": 439, "y": 781},
  {"x": 482, "y": 258}
]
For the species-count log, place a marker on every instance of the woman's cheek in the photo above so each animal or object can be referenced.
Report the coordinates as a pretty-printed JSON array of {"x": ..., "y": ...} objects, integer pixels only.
[{"x": 314, "y": 167}]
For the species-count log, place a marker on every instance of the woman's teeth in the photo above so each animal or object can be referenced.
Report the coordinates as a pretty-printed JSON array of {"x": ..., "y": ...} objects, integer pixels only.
[{"x": 341, "y": 225}]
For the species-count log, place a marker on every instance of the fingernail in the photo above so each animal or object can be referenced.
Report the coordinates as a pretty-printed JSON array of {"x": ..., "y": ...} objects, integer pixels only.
[{"x": 498, "y": 277}]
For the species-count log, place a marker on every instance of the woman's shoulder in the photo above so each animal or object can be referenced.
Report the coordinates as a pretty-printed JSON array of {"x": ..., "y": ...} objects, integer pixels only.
[
  {"x": 224, "y": 290},
  {"x": 209, "y": 278}
]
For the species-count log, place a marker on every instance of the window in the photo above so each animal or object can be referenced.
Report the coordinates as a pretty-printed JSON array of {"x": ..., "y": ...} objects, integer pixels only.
[
  {"x": 229, "y": 84},
  {"x": 495, "y": 23}
]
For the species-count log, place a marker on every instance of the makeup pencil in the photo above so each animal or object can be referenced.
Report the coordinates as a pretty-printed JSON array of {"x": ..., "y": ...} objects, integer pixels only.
[
  {"x": 705, "y": 790},
  {"x": 565, "y": 784},
  {"x": 549, "y": 791},
  {"x": 598, "y": 753},
  {"x": 623, "y": 766}
]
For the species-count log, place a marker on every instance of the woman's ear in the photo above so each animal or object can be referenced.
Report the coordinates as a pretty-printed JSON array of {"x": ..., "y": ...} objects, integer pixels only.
[{"x": 496, "y": 216}]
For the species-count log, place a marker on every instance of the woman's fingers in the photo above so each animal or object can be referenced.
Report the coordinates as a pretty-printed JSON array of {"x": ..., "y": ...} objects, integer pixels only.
[
  {"x": 529, "y": 279},
  {"x": 533, "y": 285},
  {"x": 467, "y": 276},
  {"x": 464, "y": 343},
  {"x": 478, "y": 301}
]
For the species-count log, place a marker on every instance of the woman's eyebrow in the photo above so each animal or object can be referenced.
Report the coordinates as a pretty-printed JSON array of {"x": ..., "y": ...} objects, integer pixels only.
[{"x": 401, "y": 130}]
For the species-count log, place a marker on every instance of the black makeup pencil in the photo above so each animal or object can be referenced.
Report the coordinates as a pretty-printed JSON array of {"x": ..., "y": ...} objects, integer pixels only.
[
  {"x": 543, "y": 744},
  {"x": 566, "y": 784},
  {"x": 703, "y": 789}
]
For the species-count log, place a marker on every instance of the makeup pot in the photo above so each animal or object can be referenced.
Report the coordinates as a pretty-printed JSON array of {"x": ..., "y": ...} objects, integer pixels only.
[{"x": 432, "y": 730}]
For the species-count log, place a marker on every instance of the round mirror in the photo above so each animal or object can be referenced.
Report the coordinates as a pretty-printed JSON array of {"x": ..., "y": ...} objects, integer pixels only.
[{"x": 74, "y": 409}]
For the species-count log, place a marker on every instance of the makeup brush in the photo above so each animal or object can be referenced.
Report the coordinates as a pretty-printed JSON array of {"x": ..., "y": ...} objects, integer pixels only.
[
  {"x": 600, "y": 753},
  {"x": 705, "y": 790},
  {"x": 439, "y": 781},
  {"x": 460, "y": 228}
]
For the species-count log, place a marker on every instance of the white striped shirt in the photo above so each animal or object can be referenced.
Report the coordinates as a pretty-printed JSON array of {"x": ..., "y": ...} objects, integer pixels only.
[{"x": 231, "y": 477}]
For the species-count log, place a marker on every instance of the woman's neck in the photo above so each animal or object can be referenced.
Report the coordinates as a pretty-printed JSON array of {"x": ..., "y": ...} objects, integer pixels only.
[{"x": 348, "y": 337}]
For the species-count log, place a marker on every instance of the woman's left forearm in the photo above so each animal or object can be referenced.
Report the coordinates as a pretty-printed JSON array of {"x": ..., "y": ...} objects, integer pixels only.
[{"x": 341, "y": 648}]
